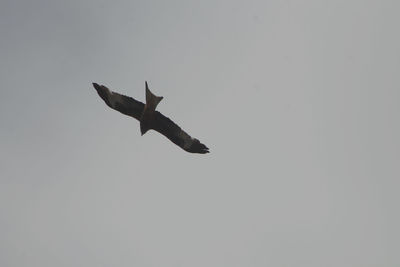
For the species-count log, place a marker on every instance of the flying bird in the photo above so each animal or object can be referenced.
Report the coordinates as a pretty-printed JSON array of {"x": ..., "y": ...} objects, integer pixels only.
[{"x": 149, "y": 118}]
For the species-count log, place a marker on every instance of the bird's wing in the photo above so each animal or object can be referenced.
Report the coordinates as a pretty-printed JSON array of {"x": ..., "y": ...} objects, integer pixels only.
[
  {"x": 173, "y": 132},
  {"x": 124, "y": 104}
]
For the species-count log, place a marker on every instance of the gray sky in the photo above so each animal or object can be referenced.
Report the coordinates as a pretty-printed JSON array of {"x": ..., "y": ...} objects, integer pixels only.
[{"x": 298, "y": 102}]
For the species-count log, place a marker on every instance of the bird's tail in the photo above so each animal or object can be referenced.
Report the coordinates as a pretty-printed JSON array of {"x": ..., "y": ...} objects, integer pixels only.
[{"x": 151, "y": 99}]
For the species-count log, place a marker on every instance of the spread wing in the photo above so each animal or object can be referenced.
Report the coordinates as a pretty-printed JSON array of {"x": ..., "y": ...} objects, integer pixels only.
[
  {"x": 173, "y": 132},
  {"x": 124, "y": 104}
]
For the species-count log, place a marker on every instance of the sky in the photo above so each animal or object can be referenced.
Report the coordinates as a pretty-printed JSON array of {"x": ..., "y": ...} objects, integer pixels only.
[{"x": 298, "y": 102}]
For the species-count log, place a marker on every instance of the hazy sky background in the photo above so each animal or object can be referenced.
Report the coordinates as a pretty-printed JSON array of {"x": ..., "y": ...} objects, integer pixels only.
[{"x": 298, "y": 102}]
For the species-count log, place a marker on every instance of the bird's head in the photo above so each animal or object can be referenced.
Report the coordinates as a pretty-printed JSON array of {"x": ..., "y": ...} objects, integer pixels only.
[{"x": 144, "y": 128}]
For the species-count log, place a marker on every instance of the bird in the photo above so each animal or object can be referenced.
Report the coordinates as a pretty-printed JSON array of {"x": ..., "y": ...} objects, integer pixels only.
[{"x": 149, "y": 118}]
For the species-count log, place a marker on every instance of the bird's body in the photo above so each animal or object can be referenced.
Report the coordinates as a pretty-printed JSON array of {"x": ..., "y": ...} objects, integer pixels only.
[
  {"x": 150, "y": 118},
  {"x": 148, "y": 114}
]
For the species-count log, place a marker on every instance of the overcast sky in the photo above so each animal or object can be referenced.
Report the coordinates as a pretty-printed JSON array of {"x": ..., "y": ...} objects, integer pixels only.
[{"x": 298, "y": 102}]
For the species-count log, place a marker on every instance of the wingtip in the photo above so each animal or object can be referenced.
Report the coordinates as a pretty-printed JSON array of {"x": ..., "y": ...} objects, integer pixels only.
[
  {"x": 199, "y": 148},
  {"x": 205, "y": 149},
  {"x": 96, "y": 85}
]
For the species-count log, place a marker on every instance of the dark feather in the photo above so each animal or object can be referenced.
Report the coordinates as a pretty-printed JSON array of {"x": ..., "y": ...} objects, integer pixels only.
[
  {"x": 173, "y": 132},
  {"x": 124, "y": 104}
]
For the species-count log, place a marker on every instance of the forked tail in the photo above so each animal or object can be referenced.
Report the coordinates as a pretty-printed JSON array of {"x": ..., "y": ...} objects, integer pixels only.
[{"x": 151, "y": 99}]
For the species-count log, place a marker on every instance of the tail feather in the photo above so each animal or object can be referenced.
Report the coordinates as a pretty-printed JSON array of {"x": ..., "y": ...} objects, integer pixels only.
[{"x": 151, "y": 99}]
